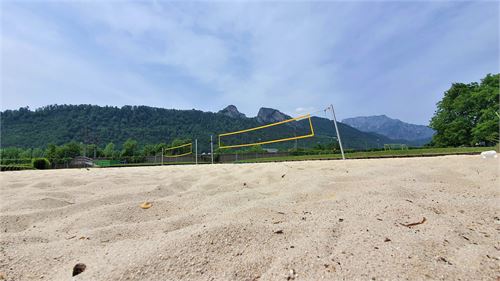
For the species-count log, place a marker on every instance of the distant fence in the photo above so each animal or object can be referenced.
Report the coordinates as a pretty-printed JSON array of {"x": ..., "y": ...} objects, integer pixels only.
[
  {"x": 83, "y": 162},
  {"x": 125, "y": 161},
  {"x": 234, "y": 157}
]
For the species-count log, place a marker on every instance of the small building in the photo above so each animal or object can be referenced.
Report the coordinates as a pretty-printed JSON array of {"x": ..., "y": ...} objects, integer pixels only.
[{"x": 81, "y": 162}]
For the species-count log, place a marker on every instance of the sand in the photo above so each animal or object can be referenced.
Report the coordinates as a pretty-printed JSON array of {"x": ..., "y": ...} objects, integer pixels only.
[{"x": 314, "y": 220}]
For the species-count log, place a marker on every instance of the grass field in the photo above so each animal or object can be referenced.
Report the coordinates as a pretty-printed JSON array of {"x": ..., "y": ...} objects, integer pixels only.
[{"x": 377, "y": 154}]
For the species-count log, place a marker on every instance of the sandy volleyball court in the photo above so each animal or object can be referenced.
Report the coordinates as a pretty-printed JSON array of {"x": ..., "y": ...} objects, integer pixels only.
[{"x": 279, "y": 221}]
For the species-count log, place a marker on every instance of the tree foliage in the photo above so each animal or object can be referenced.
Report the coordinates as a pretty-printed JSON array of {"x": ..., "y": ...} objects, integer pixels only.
[
  {"x": 109, "y": 150},
  {"x": 467, "y": 114},
  {"x": 41, "y": 163},
  {"x": 129, "y": 148}
]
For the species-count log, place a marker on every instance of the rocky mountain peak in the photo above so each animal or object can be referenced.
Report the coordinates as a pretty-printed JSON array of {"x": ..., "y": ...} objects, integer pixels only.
[
  {"x": 389, "y": 127},
  {"x": 270, "y": 115},
  {"x": 232, "y": 112}
]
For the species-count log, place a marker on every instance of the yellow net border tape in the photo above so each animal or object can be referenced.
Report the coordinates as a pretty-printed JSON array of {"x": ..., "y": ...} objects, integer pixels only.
[
  {"x": 308, "y": 116},
  {"x": 179, "y": 146}
]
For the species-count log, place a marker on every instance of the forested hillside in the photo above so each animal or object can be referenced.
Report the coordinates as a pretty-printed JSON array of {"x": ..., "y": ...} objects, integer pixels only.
[{"x": 90, "y": 124}]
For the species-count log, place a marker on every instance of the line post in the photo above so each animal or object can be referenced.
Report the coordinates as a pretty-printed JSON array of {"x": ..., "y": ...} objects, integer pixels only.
[
  {"x": 212, "y": 148},
  {"x": 196, "y": 151},
  {"x": 337, "y": 131}
]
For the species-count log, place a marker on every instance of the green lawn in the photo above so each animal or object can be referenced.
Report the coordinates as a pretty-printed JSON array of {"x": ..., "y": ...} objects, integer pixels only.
[{"x": 378, "y": 154}]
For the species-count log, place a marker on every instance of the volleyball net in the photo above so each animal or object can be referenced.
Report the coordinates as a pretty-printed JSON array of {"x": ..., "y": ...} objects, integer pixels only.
[
  {"x": 300, "y": 127},
  {"x": 178, "y": 151}
]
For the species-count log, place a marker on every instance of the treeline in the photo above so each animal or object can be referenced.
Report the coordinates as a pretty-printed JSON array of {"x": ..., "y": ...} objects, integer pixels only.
[
  {"x": 130, "y": 150},
  {"x": 468, "y": 114},
  {"x": 61, "y": 124}
]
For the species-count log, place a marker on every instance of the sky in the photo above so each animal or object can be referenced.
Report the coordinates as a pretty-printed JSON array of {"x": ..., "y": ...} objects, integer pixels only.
[{"x": 365, "y": 58}]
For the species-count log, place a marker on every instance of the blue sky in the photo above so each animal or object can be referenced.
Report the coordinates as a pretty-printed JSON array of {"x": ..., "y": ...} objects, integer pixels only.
[{"x": 367, "y": 58}]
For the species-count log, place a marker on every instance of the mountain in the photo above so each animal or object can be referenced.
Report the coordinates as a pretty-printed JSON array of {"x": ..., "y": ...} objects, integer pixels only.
[
  {"x": 391, "y": 128},
  {"x": 232, "y": 112},
  {"x": 59, "y": 124},
  {"x": 270, "y": 115}
]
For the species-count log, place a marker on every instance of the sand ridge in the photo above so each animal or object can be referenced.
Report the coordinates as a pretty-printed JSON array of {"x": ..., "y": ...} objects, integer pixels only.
[{"x": 308, "y": 220}]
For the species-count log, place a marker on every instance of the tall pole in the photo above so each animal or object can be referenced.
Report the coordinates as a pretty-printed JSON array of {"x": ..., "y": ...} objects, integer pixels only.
[
  {"x": 295, "y": 134},
  {"x": 196, "y": 151},
  {"x": 162, "y": 156},
  {"x": 212, "y": 148},
  {"x": 337, "y": 130}
]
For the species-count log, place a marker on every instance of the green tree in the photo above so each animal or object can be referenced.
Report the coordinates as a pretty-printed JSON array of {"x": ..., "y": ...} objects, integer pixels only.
[
  {"x": 487, "y": 98},
  {"x": 149, "y": 150},
  {"x": 129, "y": 147},
  {"x": 26, "y": 154},
  {"x": 177, "y": 142},
  {"x": 71, "y": 149},
  {"x": 160, "y": 146},
  {"x": 109, "y": 150},
  {"x": 51, "y": 151},
  {"x": 38, "y": 152},
  {"x": 466, "y": 114}
]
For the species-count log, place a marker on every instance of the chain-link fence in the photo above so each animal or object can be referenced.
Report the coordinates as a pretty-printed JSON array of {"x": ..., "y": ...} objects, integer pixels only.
[{"x": 157, "y": 160}]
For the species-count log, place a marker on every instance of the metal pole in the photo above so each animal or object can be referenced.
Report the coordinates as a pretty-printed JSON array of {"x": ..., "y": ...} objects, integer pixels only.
[
  {"x": 337, "y": 130},
  {"x": 196, "y": 151},
  {"x": 162, "y": 156},
  {"x": 212, "y": 148}
]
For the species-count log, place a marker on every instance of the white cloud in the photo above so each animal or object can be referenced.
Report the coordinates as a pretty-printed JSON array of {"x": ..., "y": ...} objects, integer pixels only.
[{"x": 251, "y": 54}]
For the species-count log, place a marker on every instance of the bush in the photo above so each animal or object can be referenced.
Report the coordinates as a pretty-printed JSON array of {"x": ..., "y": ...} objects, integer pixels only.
[{"x": 41, "y": 163}]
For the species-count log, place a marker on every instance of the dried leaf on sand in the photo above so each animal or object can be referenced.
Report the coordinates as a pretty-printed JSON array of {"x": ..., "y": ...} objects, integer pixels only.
[
  {"x": 146, "y": 205},
  {"x": 414, "y": 223}
]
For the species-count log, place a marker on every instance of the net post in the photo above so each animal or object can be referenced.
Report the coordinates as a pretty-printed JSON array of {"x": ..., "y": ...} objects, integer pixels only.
[
  {"x": 196, "y": 151},
  {"x": 212, "y": 148},
  {"x": 337, "y": 130}
]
